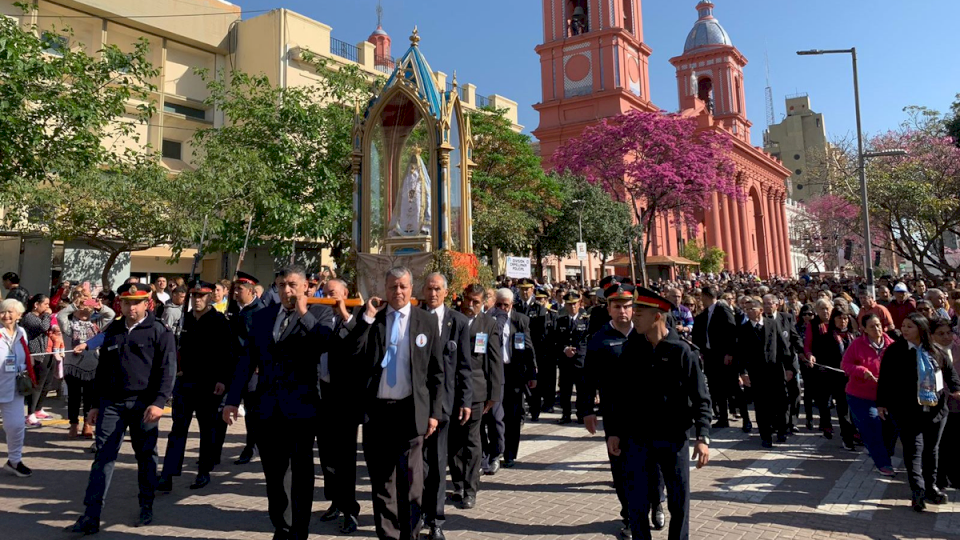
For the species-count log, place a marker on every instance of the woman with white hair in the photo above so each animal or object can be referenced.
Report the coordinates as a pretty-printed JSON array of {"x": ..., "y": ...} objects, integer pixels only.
[{"x": 15, "y": 356}]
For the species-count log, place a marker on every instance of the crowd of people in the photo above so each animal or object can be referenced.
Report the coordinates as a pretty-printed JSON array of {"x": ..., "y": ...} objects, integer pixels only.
[{"x": 448, "y": 384}]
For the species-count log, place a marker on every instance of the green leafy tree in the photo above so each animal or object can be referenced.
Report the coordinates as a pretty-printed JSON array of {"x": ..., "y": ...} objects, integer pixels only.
[
  {"x": 606, "y": 222},
  {"x": 287, "y": 153},
  {"x": 59, "y": 104},
  {"x": 132, "y": 205},
  {"x": 514, "y": 201},
  {"x": 710, "y": 258}
]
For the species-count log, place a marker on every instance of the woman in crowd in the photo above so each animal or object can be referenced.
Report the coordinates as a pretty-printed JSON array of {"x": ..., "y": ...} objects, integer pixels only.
[
  {"x": 915, "y": 378},
  {"x": 828, "y": 348},
  {"x": 15, "y": 353},
  {"x": 804, "y": 321},
  {"x": 80, "y": 366},
  {"x": 36, "y": 323},
  {"x": 815, "y": 328},
  {"x": 948, "y": 474},
  {"x": 861, "y": 363},
  {"x": 692, "y": 304}
]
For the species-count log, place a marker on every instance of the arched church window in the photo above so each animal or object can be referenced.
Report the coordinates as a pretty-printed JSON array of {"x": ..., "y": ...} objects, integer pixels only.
[
  {"x": 705, "y": 92},
  {"x": 579, "y": 22},
  {"x": 628, "y": 16}
]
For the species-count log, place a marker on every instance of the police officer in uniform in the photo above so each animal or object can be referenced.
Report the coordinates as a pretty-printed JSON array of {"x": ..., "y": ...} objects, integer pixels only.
[
  {"x": 543, "y": 324},
  {"x": 205, "y": 369},
  {"x": 571, "y": 349},
  {"x": 663, "y": 375},
  {"x": 248, "y": 303},
  {"x": 134, "y": 380}
]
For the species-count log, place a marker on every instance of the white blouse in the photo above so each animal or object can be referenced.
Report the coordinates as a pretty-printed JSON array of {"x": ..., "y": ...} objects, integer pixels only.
[{"x": 11, "y": 347}]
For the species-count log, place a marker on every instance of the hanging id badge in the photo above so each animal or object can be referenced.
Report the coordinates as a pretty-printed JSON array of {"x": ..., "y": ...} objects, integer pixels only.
[
  {"x": 518, "y": 342},
  {"x": 10, "y": 364},
  {"x": 480, "y": 346}
]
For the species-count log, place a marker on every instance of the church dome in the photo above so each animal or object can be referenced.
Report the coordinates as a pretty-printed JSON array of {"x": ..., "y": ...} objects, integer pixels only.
[
  {"x": 707, "y": 32},
  {"x": 379, "y": 32}
]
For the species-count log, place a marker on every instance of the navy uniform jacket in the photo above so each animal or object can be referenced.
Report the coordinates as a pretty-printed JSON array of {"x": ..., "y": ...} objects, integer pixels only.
[
  {"x": 207, "y": 350},
  {"x": 602, "y": 360},
  {"x": 287, "y": 382},
  {"x": 572, "y": 333},
  {"x": 138, "y": 363},
  {"x": 665, "y": 379},
  {"x": 599, "y": 317},
  {"x": 543, "y": 327}
]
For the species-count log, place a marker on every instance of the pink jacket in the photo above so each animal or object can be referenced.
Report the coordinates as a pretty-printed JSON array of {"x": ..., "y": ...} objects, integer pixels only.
[{"x": 857, "y": 361}]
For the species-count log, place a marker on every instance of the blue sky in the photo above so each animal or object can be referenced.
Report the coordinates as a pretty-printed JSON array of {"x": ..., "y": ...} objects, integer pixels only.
[{"x": 906, "y": 49}]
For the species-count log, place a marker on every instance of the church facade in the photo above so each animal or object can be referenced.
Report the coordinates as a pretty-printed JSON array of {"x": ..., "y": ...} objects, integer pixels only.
[{"x": 595, "y": 65}]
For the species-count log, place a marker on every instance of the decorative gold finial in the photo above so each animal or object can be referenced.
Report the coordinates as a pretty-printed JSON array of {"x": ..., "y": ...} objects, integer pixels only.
[
  {"x": 454, "y": 83},
  {"x": 415, "y": 38}
]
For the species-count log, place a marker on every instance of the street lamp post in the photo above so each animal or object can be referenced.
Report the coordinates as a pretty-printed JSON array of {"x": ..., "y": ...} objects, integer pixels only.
[
  {"x": 583, "y": 275},
  {"x": 868, "y": 260}
]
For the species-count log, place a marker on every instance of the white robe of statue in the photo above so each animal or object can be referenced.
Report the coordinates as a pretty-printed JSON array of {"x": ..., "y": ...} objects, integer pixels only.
[{"x": 411, "y": 212}]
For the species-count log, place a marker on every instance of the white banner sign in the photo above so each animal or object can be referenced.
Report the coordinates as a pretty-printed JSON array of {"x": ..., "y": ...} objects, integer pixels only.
[
  {"x": 518, "y": 267},
  {"x": 582, "y": 251}
]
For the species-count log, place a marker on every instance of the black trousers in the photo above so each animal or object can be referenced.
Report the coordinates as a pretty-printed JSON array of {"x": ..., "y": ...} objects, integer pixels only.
[
  {"x": 644, "y": 461},
  {"x": 190, "y": 399},
  {"x": 546, "y": 390},
  {"x": 285, "y": 444},
  {"x": 78, "y": 392},
  {"x": 920, "y": 438},
  {"x": 324, "y": 429},
  {"x": 393, "y": 450},
  {"x": 948, "y": 472},
  {"x": 435, "y": 458},
  {"x": 512, "y": 421},
  {"x": 114, "y": 419},
  {"x": 345, "y": 477},
  {"x": 810, "y": 382},
  {"x": 251, "y": 406},
  {"x": 770, "y": 404},
  {"x": 724, "y": 388},
  {"x": 465, "y": 453},
  {"x": 45, "y": 370},
  {"x": 493, "y": 433},
  {"x": 834, "y": 385},
  {"x": 570, "y": 375}
]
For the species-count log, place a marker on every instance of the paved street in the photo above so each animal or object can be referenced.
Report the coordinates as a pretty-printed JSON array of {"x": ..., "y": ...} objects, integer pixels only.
[{"x": 560, "y": 488}]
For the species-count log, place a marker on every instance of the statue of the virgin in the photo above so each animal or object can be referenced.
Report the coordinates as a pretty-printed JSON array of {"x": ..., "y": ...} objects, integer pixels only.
[{"x": 411, "y": 212}]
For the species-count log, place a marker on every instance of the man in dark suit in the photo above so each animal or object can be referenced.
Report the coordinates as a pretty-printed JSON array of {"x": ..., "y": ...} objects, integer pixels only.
[
  {"x": 482, "y": 345},
  {"x": 401, "y": 355},
  {"x": 764, "y": 362},
  {"x": 337, "y": 430},
  {"x": 571, "y": 349},
  {"x": 543, "y": 324},
  {"x": 787, "y": 323},
  {"x": 457, "y": 400},
  {"x": 519, "y": 370},
  {"x": 285, "y": 345},
  {"x": 714, "y": 333},
  {"x": 244, "y": 292}
]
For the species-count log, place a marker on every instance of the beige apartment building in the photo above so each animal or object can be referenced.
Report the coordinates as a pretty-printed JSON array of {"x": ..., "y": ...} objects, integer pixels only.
[
  {"x": 185, "y": 35},
  {"x": 800, "y": 142}
]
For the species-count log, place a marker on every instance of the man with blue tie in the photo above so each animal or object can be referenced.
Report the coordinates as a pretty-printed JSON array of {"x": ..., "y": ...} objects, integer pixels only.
[
  {"x": 285, "y": 346},
  {"x": 402, "y": 363}
]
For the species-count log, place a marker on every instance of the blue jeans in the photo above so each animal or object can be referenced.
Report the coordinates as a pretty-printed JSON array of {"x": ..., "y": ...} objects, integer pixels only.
[{"x": 871, "y": 428}]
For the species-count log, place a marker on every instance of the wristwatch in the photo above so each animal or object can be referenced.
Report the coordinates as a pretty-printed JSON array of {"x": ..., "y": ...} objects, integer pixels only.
[{"x": 705, "y": 439}]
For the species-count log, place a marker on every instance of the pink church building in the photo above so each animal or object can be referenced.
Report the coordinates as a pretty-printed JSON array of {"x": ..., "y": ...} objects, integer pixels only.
[{"x": 594, "y": 64}]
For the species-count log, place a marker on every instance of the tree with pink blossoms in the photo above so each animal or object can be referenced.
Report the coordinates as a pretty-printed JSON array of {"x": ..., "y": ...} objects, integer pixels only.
[
  {"x": 823, "y": 232},
  {"x": 657, "y": 163}
]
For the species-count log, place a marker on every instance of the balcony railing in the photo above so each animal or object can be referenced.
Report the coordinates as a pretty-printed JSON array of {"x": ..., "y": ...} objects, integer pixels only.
[
  {"x": 459, "y": 90},
  {"x": 384, "y": 64},
  {"x": 344, "y": 50},
  {"x": 481, "y": 101}
]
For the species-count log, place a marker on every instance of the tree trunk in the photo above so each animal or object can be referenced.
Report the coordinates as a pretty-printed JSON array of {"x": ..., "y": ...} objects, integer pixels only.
[
  {"x": 640, "y": 251},
  {"x": 538, "y": 253},
  {"x": 107, "y": 266}
]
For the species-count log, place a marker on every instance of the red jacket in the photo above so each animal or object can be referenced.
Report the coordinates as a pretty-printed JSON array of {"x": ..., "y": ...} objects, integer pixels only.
[
  {"x": 899, "y": 311},
  {"x": 859, "y": 359}
]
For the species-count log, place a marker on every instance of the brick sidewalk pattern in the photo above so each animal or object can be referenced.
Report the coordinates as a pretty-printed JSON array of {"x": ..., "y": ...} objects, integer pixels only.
[{"x": 560, "y": 489}]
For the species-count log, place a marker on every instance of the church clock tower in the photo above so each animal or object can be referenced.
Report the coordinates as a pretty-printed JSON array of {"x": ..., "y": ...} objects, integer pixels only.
[{"x": 594, "y": 65}]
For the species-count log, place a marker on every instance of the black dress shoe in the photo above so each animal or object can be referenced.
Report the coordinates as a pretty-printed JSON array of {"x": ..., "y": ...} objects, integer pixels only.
[
  {"x": 721, "y": 424},
  {"x": 935, "y": 496},
  {"x": 626, "y": 533},
  {"x": 534, "y": 418},
  {"x": 747, "y": 427},
  {"x": 918, "y": 504},
  {"x": 659, "y": 520},
  {"x": 766, "y": 444},
  {"x": 349, "y": 524},
  {"x": 146, "y": 516},
  {"x": 781, "y": 438},
  {"x": 281, "y": 534},
  {"x": 794, "y": 429},
  {"x": 468, "y": 502},
  {"x": 494, "y": 467},
  {"x": 201, "y": 481},
  {"x": 165, "y": 485},
  {"x": 244, "y": 458},
  {"x": 509, "y": 463},
  {"x": 565, "y": 419},
  {"x": 436, "y": 533},
  {"x": 331, "y": 514},
  {"x": 85, "y": 525},
  {"x": 550, "y": 410},
  {"x": 456, "y": 498}
]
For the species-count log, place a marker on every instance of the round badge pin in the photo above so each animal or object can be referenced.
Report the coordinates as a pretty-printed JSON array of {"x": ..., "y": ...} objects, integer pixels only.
[{"x": 422, "y": 340}]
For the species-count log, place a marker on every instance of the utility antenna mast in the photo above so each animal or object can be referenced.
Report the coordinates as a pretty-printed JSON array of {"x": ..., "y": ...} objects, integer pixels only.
[
  {"x": 379, "y": 14},
  {"x": 769, "y": 94}
]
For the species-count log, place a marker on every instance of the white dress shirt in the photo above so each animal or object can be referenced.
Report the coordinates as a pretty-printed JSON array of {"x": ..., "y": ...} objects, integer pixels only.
[
  {"x": 404, "y": 387},
  {"x": 507, "y": 348},
  {"x": 439, "y": 313}
]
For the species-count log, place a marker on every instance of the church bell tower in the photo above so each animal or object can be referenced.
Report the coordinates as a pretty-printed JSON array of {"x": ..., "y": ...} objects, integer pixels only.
[{"x": 594, "y": 65}]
